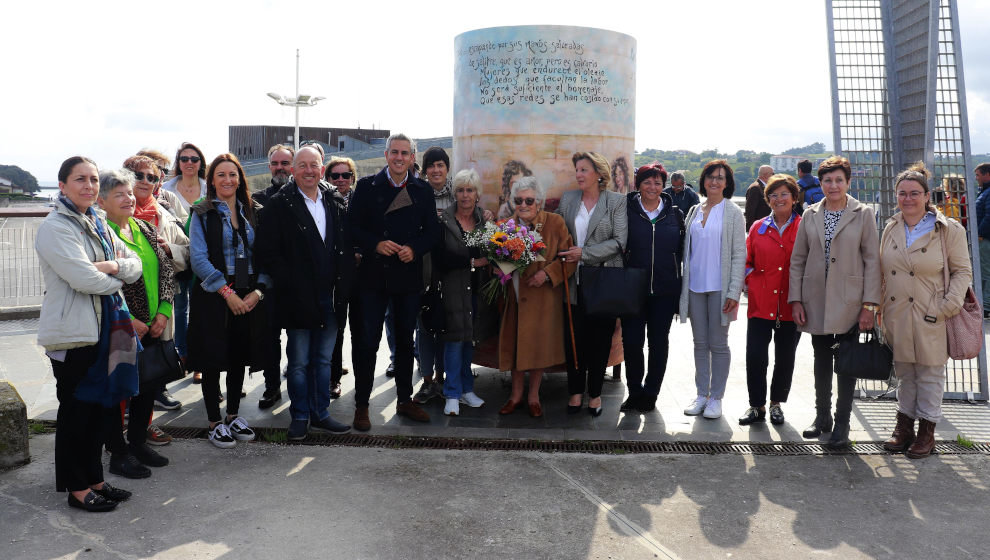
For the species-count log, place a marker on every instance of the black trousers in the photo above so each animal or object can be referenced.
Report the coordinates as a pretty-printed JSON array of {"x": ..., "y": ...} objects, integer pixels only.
[
  {"x": 78, "y": 426},
  {"x": 337, "y": 361},
  {"x": 141, "y": 406},
  {"x": 593, "y": 336},
  {"x": 654, "y": 325},
  {"x": 239, "y": 329},
  {"x": 824, "y": 367},
  {"x": 273, "y": 371},
  {"x": 785, "y": 338},
  {"x": 372, "y": 304}
]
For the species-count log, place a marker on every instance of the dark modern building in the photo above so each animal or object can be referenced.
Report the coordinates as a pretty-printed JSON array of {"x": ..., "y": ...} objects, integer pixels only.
[
  {"x": 898, "y": 96},
  {"x": 252, "y": 142}
]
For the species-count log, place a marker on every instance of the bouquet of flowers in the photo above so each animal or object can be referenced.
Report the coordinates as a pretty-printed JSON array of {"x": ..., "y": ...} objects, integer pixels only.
[{"x": 510, "y": 246}]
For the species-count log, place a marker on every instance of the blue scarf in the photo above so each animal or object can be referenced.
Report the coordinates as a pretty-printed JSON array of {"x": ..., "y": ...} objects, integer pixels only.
[{"x": 114, "y": 375}]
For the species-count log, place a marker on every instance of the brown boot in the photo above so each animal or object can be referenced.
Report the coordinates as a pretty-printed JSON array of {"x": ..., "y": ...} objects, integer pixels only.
[
  {"x": 412, "y": 411},
  {"x": 361, "y": 421},
  {"x": 903, "y": 435},
  {"x": 923, "y": 446}
]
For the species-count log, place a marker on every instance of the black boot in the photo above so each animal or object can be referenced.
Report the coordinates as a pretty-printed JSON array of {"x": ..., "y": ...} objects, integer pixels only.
[
  {"x": 840, "y": 437},
  {"x": 821, "y": 425}
]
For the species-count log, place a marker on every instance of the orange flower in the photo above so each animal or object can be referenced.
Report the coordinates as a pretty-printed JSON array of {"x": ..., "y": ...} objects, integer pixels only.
[{"x": 516, "y": 247}]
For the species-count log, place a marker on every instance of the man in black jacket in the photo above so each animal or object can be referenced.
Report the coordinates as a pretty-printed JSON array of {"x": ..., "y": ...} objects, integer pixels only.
[
  {"x": 394, "y": 223},
  {"x": 280, "y": 165},
  {"x": 303, "y": 243}
]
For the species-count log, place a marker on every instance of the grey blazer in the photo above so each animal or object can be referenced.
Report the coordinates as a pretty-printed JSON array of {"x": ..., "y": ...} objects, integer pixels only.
[{"x": 607, "y": 230}]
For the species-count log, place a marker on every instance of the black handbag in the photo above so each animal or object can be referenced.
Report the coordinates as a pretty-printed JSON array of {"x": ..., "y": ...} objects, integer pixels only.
[
  {"x": 862, "y": 356},
  {"x": 432, "y": 311},
  {"x": 158, "y": 363},
  {"x": 611, "y": 291}
]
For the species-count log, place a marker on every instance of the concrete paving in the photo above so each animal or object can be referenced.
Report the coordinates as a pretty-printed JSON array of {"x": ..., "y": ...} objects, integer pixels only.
[{"x": 274, "y": 501}]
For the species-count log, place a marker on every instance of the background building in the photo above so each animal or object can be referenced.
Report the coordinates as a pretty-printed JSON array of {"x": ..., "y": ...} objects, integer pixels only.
[
  {"x": 252, "y": 142},
  {"x": 898, "y": 96}
]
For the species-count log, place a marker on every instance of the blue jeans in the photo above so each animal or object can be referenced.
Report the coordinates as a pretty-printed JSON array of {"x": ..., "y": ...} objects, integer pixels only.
[
  {"x": 180, "y": 314},
  {"x": 429, "y": 350},
  {"x": 310, "y": 352},
  {"x": 459, "y": 379}
]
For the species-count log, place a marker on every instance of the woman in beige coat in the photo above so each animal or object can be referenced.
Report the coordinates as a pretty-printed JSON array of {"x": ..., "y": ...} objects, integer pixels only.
[
  {"x": 916, "y": 303},
  {"x": 834, "y": 285}
]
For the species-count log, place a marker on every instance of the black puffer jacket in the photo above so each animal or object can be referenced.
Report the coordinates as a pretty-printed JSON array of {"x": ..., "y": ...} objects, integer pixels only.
[{"x": 656, "y": 245}]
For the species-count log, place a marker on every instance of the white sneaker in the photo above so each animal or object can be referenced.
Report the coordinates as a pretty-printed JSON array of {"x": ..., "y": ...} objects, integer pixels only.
[
  {"x": 472, "y": 400},
  {"x": 452, "y": 408},
  {"x": 696, "y": 407},
  {"x": 240, "y": 429},
  {"x": 713, "y": 409},
  {"x": 220, "y": 436}
]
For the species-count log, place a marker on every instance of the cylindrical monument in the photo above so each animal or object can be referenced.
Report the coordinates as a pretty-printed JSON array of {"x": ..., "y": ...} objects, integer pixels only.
[{"x": 527, "y": 97}]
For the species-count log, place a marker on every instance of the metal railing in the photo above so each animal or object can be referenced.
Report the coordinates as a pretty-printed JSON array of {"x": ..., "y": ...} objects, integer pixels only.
[{"x": 20, "y": 270}]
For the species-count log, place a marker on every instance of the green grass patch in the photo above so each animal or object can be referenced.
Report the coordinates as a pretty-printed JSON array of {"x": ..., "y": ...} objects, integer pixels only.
[
  {"x": 275, "y": 436},
  {"x": 964, "y": 441},
  {"x": 37, "y": 428}
]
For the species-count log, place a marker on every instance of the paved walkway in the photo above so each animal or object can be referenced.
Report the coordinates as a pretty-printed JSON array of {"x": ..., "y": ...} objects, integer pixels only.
[{"x": 24, "y": 364}]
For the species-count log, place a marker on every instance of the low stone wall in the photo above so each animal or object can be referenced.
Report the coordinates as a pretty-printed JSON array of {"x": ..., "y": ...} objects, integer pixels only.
[{"x": 13, "y": 428}]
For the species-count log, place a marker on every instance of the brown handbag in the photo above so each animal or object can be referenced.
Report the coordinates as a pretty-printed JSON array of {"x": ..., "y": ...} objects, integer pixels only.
[{"x": 964, "y": 330}]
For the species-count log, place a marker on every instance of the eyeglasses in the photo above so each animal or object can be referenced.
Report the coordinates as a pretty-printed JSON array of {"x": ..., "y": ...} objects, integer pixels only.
[
  {"x": 150, "y": 177},
  {"x": 716, "y": 178},
  {"x": 777, "y": 196},
  {"x": 344, "y": 175},
  {"x": 187, "y": 159},
  {"x": 529, "y": 201},
  {"x": 911, "y": 195}
]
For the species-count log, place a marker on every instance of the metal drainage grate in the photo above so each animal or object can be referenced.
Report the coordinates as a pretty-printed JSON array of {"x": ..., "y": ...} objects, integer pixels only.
[{"x": 276, "y": 435}]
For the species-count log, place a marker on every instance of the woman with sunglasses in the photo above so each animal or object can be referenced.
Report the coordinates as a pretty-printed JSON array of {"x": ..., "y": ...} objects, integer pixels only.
[
  {"x": 189, "y": 185},
  {"x": 597, "y": 221},
  {"x": 533, "y": 320},
  {"x": 656, "y": 242},
  {"x": 341, "y": 173}
]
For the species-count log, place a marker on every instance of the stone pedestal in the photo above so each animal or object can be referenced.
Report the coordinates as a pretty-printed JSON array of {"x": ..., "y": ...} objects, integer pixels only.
[{"x": 13, "y": 428}]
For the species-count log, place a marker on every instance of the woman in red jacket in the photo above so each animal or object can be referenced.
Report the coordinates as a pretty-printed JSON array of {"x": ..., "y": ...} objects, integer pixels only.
[{"x": 768, "y": 261}]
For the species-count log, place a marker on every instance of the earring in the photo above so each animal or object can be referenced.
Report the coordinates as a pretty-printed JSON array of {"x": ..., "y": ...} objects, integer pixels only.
[{"x": 601, "y": 180}]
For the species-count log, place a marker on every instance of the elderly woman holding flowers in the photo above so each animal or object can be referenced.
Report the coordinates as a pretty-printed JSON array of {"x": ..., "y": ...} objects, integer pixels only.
[{"x": 533, "y": 318}]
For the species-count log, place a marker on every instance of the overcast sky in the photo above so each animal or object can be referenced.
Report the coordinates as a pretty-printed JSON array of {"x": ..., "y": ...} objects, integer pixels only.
[{"x": 105, "y": 79}]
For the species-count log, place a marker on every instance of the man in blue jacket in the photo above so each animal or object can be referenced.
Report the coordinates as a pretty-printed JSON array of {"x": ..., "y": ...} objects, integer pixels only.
[
  {"x": 811, "y": 188},
  {"x": 982, "y": 172},
  {"x": 394, "y": 220},
  {"x": 303, "y": 241}
]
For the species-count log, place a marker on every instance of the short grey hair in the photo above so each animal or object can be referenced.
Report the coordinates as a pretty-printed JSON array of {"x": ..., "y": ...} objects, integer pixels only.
[
  {"x": 530, "y": 184},
  {"x": 468, "y": 178},
  {"x": 400, "y": 136},
  {"x": 110, "y": 179},
  {"x": 676, "y": 175}
]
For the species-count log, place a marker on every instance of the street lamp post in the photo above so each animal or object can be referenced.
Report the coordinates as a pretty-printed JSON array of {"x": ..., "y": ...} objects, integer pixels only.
[{"x": 297, "y": 102}]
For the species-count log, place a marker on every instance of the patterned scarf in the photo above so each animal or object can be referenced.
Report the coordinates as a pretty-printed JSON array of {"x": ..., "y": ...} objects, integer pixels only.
[
  {"x": 147, "y": 211},
  {"x": 135, "y": 294},
  {"x": 114, "y": 376}
]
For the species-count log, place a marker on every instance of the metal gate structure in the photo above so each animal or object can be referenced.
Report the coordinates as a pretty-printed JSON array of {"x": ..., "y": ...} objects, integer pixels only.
[{"x": 898, "y": 96}]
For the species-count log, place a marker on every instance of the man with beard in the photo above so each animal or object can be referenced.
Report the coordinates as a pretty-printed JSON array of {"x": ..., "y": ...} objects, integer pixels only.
[
  {"x": 304, "y": 242},
  {"x": 280, "y": 165}
]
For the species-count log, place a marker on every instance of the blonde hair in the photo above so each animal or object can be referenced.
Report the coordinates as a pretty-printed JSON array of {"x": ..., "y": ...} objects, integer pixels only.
[{"x": 601, "y": 166}]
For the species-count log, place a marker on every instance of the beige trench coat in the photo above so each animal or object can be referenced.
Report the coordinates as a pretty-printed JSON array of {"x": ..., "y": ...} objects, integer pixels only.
[
  {"x": 832, "y": 304},
  {"x": 914, "y": 288}
]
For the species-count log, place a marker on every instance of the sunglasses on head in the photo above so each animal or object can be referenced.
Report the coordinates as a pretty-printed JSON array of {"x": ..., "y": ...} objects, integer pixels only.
[
  {"x": 187, "y": 159},
  {"x": 521, "y": 201},
  {"x": 344, "y": 175},
  {"x": 150, "y": 177}
]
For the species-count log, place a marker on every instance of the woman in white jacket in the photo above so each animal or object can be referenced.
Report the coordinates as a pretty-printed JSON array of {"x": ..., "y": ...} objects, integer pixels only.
[
  {"x": 85, "y": 330},
  {"x": 714, "y": 259}
]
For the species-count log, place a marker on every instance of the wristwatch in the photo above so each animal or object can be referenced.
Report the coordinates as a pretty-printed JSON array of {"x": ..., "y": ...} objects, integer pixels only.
[
  {"x": 871, "y": 307},
  {"x": 261, "y": 295}
]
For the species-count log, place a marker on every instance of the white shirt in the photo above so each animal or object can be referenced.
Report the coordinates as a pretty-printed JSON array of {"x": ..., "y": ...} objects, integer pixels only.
[
  {"x": 706, "y": 251},
  {"x": 581, "y": 228},
  {"x": 317, "y": 211},
  {"x": 171, "y": 185},
  {"x": 652, "y": 215}
]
